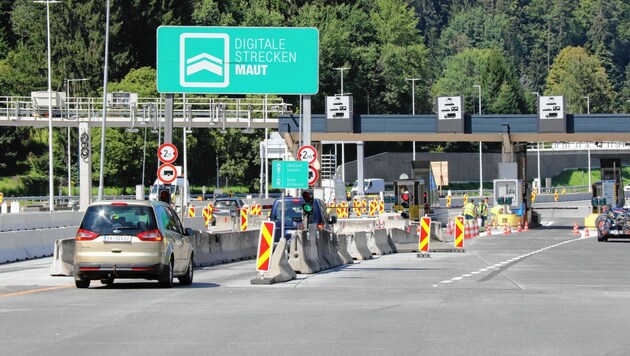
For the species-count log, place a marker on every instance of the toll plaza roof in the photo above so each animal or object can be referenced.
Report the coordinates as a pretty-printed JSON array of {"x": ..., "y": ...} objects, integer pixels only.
[{"x": 522, "y": 128}]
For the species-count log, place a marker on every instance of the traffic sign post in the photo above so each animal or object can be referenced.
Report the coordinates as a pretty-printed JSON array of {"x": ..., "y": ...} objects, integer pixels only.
[
  {"x": 167, "y": 173},
  {"x": 289, "y": 174},
  {"x": 167, "y": 153},
  {"x": 265, "y": 246},
  {"x": 307, "y": 154},
  {"x": 313, "y": 176},
  {"x": 237, "y": 60},
  {"x": 424, "y": 233}
]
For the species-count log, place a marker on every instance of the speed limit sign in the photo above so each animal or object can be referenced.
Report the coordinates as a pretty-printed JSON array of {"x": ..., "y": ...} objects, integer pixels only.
[{"x": 307, "y": 154}]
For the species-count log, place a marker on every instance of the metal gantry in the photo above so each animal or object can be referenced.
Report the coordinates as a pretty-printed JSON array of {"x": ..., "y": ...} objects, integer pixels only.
[{"x": 130, "y": 111}]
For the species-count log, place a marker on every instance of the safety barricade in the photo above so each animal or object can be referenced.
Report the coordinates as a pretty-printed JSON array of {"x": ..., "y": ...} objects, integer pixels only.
[
  {"x": 403, "y": 240},
  {"x": 63, "y": 257},
  {"x": 358, "y": 247},
  {"x": 377, "y": 242},
  {"x": 303, "y": 256},
  {"x": 8, "y": 247},
  {"x": 342, "y": 249},
  {"x": 280, "y": 269},
  {"x": 237, "y": 246},
  {"x": 327, "y": 249}
]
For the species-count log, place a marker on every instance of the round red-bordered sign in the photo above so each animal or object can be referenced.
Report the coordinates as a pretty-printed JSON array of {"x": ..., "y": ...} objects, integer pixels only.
[
  {"x": 167, "y": 173},
  {"x": 167, "y": 153},
  {"x": 313, "y": 175},
  {"x": 307, "y": 154}
]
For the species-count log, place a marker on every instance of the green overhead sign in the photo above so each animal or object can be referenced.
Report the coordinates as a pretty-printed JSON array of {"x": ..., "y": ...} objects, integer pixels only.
[
  {"x": 289, "y": 174},
  {"x": 237, "y": 60}
]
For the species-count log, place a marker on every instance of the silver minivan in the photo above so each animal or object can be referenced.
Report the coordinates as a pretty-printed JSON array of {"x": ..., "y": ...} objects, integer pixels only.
[{"x": 132, "y": 239}]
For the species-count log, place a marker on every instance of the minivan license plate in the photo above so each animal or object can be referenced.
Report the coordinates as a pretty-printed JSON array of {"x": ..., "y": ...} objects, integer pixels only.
[{"x": 116, "y": 238}]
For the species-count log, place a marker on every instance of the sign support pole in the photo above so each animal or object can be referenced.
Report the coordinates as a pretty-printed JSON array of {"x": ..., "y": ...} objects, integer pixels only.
[
  {"x": 306, "y": 122},
  {"x": 168, "y": 117},
  {"x": 282, "y": 216}
]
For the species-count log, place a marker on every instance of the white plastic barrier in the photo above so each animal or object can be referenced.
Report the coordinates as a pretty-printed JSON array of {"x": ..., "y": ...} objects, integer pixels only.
[
  {"x": 39, "y": 220},
  {"x": 8, "y": 249},
  {"x": 27, "y": 244},
  {"x": 352, "y": 225}
]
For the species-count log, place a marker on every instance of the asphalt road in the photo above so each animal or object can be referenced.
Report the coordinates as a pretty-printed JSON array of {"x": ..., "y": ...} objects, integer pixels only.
[{"x": 542, "y": 292}]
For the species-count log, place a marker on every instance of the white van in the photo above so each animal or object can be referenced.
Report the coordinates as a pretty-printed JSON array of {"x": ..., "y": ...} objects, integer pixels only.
[
  {"x": 370, "y": 186},
  {"x": 177, "y": 187}
]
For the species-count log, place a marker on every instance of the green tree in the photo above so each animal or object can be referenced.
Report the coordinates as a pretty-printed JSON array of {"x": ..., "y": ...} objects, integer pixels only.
[
  {"x": 576, "y": 74},
  {"x": 490, "y": 69}
]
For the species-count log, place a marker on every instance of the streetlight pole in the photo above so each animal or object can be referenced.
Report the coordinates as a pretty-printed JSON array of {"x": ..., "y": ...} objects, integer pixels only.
[
  {"x": 68, "y": 81},
  {"x": 341, "y": 69},
  {"x": 588, "y": 144},
  {"x": 102, "y": 162},
  {"x": 51, "y": 185},
  {"x": 413, "y": 110},
  {"x": 478, "y": 86}
]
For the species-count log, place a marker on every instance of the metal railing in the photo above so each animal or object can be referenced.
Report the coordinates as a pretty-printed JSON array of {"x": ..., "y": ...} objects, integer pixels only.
[{"x": 190, "y": 112}]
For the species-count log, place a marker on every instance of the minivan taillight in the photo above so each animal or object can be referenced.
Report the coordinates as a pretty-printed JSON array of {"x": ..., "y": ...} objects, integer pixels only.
[
  {"x": 153, "y": 235},
  {"x": 85, "y": 235}
]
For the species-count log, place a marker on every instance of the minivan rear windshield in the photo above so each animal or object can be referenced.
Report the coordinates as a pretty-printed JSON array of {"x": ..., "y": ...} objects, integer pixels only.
[
  {"x": 106, "y": 218},
  {"x": 292, "y": 209}
]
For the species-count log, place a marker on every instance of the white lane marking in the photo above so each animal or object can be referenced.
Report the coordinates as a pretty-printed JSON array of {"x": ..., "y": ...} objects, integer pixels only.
[{"x": 512, "y": 260}]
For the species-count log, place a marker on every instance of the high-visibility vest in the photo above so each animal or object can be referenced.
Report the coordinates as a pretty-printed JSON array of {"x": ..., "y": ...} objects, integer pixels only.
[
  {"x": 483, "y": 209},
  {"x": 469, "y": 209}
]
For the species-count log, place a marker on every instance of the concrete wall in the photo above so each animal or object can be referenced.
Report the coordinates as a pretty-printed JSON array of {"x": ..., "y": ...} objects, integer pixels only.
[{"x": 464, "y": 167}]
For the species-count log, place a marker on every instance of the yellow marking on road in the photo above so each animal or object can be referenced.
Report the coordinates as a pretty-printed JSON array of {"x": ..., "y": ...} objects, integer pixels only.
[{"x": 32, "y": 291}]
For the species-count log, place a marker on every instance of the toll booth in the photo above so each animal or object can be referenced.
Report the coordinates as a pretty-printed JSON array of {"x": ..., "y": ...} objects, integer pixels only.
[
  {"x": 604, "y": 193},
  {"x": 610, "y": 187},
  {"x": 423, "y": 171},
  {"x": 409, "y": 193},
  {"x": 509, "y": 194}
]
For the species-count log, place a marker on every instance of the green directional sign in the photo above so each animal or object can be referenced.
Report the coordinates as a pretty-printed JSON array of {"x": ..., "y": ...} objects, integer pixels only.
[
  {"x": 289, "y": 174},
  {"x": 237, "y": 60}
]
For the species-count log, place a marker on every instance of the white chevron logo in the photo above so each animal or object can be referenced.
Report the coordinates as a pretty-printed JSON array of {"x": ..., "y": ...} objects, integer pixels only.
[
  {"x": 200, "y": 69},
  {"x": 205, "y": 62}
]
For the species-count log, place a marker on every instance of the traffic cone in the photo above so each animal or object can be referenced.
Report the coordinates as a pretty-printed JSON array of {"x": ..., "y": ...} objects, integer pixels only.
[
  {"x": 520, "y": 228},
  {"x": 467, "y": 231},
  {"x": 475, "y": 229},
  {"x": 449, "y": 231},
  {"x": 488, "y": 230},
  {"x": 576, "y": 229},
  {"x": 505, "y": 230},
  {"x": 586, "y": 234},
  {"x": 509, "y": 229},
  {"x": 526, "y": 226}
]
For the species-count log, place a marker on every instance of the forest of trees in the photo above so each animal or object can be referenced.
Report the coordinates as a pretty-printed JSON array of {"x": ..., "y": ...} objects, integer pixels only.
[{"x": 514, "y": 49}]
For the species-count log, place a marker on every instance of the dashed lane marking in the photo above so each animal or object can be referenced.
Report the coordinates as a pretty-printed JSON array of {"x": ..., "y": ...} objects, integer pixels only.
[{"x": 506, "y": 262}]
